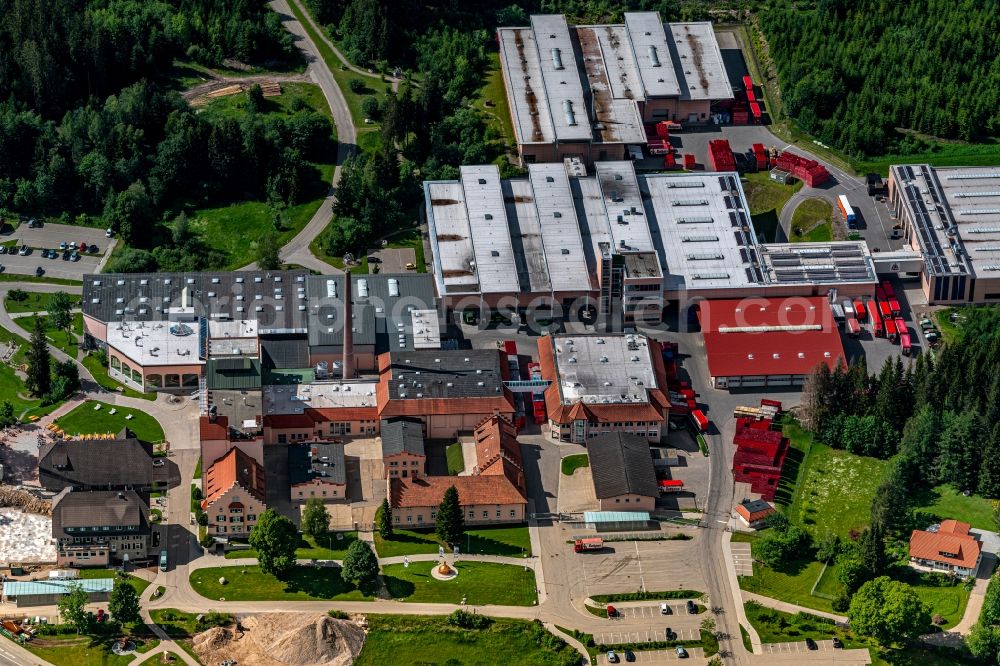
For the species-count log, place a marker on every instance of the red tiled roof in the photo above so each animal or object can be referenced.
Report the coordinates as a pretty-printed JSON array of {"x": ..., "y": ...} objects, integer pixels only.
[
  {"x": 952, "y": 545},
  {"x": 775, "y": 352},
  {"x": 313, "y": 415},
  {"x": 236, "y": 467},
  {"x": 752, "y": 517},
  {"x": 654, "y": 410},
  {"x": 472, "y": 490},
  {"x": 209, "y": 430},
  {"x": 498, "y": 451},
  {"x": 289, "y": 421}
]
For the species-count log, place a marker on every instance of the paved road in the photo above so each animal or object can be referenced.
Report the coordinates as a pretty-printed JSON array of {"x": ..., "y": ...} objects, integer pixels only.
[{"x": 297, "y": 251}]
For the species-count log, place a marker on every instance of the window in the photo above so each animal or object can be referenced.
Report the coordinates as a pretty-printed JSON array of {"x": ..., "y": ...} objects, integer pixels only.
[
  {"x": 472, "y": 514},
  {"x": 221, "y": 529},
  {"x": 420, "y": 518},
  {"x": 409, "y": 519},
  {"x": 626, "y": 500},
  {"x": 434, "y": 515},
  {"x": 251, "y": 517},
  {"x": 486, "y": 514},
  {"x": 221, "y": 519},
  {"x": 617, "y": 500},
  {"x": 513, "y": 513},
  {"x": 498, "y": 513},
  {"x": 300, "y": 493},
  {"x": 282, "y": 439}
]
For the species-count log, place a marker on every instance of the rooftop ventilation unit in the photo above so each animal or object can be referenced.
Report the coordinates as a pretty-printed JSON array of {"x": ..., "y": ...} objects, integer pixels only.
[
  {"x": 568, "y": 110},
  {"x": 556, "y": 58},
  {"x": 654, "y": 57}
]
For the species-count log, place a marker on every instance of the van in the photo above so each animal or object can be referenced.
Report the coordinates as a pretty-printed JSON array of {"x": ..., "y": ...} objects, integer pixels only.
[
  {"x": 163, "y": 560},
  {"x": 665, "y": 609}
]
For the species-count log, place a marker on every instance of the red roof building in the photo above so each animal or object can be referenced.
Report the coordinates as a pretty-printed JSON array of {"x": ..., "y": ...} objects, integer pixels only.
[
  {"x": 754, "y": 512},
  {"x": 761, "y": 342},
  {"x": 760, "y": 454},
  {"x": 951, "y": 548},
  {"x": 234, "y": 494}
]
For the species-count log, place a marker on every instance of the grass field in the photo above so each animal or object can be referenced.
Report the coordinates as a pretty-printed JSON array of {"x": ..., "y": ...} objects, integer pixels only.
[
  {"x": 766, "y": 198},
  {"x": 304, "y": 583},
  {"x": 68, "y": 343},
  {"x": 178, "y": 624},
  {"x": 85, "y": 419},
  {"x": 308, "y": 548},
  {"x": 477, "y": 582},
  {"x": 775, "y": 626},
  {"x": 492, "y": 101},
  {"x": 792, "y": 585},
  {"x": 574, "y": 462},
  {"x": 11, "y": 387},
  {"x": 507, "y": 541},
  {"x": 944, "y": 502},
  {"x": 15, "y": 277},
  {"x": 138, "y": 583},
  {"x": 835, "y": 491},
  {"x": 35, "y": 301},
  {"x": 456, "y": 461},
  {"x": 77, "y": 651},
  {"x": 813, "y": 219},
  {"x": 431, "y": 640},
  {"x": 100, "y": 374}
]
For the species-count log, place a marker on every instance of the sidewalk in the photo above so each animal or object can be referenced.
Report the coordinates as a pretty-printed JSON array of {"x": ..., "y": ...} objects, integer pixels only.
[{"x": 734, "y": 584}]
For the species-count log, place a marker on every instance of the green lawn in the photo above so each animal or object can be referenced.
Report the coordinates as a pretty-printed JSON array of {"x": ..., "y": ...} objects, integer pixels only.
[
  {"x": 813, "y": 219},
  {"x": 766, "y": 199},
  {"x": 178, "y": 624},
  {"x": 574, "y": 462},
  {"x": 304, "y": 583},
  {"x": 478, "y": 582},
  {"x": 508, "y": 541},
  {"x": 431, "y": 640},
  {"x": 308, "y": 548},
  {"x": 949, "y": 329},
  {"x": 100, "y": 373},
  {"x": 35, "y": 301},
  {"x": 138, "y": 583},
  {"x": 456, "y": 461},
  {"x": 792, "y": 585},
  {"x": 15, "y": 277},
  {"x": 835, "y": 491},
  {"x": 492, "y": 101},
  {"x": 85, "y": 419},
  {"x": 68, "y": 343},
  {"x": 944, "y": 502},
  {"x": 775, "y": 626},
  {"x": 77, "y": 651}
]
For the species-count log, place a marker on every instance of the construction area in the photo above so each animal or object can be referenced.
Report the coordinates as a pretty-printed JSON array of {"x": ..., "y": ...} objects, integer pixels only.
[
  {"x": 284, "y": 639},
  {"x": 25, "y": 538}
]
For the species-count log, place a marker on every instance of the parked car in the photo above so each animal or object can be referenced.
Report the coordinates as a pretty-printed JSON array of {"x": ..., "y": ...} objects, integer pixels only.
[
  {"x": 65, "y": 255},
  {"x": 34, "y": 224},
  {"x": 665, "y": 609},
  {"x": 612, "y": 611},
  {"x": 629, "y": 655},
  {"x": 612, "y": 657},
  {"x": 2, "y": 268},
  {"x": 692, "y": 608},
  {"x": 671, "y": 636},
  {"x": 39, "y": 271},
  {"x": 63, "y": 245},
  {"x": 3, "y": 249},
  {"x": 157, "y": 462},
  {"x": 837, "y": 643},
  {"x": 811, "y": 644},
  {"x": 109, "y": 233},
  {"x": 681, "y": 652},
  {"x": 24, "y": 250},
  {"x": 94, "y": 249},
  {"x": 74, "y": 257}
]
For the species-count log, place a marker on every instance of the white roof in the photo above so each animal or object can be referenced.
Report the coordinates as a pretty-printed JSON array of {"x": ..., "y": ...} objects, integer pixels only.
[
  {"x": 593, "y": 216},
  {"x": 973, "y": 195},
  {"x": 523, "y": 80},
  {"x": 527, "y": 234},
  {"x": 426, "y": 328},
  {"x": 293, "y": 398},
  {"x": 652, "y": 54},
  {"x": 706, "y": 235},
  {"x": 623, "y": 205},
  {"x": 561, "y": 78},
  {"x": 613, "y": 87},
  {"x": 599, "y": 369},
  {"x": 451, "y": 237},
  {"x": 562, "y": 242},
  {"x": 699, "y": 61},
  {"x": 817, "y": 263},
  {"x": 235, "y": 328},
  {"x": 152, "y": 343},
  {"x": 490, "y": 234}
]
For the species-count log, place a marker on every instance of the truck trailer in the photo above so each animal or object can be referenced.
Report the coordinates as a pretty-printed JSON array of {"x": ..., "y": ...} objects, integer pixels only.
[
  {"x": 582, "y": 545},
  {"x": 846, "y": 210}
]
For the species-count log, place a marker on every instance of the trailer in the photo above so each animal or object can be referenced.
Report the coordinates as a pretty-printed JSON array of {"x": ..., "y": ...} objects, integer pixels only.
[
  {"x": 889, "y": 291},
  {"x": 670, "y": 485},
  {"x": 904, "y": 342},
  {"x": 859, "y": 310},
  {"x": 876, "y": 319},
  {"x": 890, "y": 329},
  {"x": 846, "y": 210},
  {"x": 689, "y": 162},
  {"x": 700, "y": 420},
  {"x": 583, "y": 545},
  {"x": 900, "y": 325},
  {"x": 853, "y": 327},
  {"x": 894, "y": 306},
  {"x": 884, "y": 309}
]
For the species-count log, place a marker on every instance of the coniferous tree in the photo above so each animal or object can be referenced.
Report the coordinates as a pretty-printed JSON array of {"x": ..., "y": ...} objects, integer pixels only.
[
  {"x": 384, "y": 520},
  {"x": 449, "y": 525},
  {"x": 39, "y": 375}
]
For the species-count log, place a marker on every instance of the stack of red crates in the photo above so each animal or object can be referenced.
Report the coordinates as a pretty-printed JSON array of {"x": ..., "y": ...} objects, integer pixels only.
[
  {"x": 810, "y": 172},
  {"x": 761, "y": 156},
  {"x": 537, "y": 397},
  {"x": 760, "y": 455},
  {"x": 720, "y": 155}
]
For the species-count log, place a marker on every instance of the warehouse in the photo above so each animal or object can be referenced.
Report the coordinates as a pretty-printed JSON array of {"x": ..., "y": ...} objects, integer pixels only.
[
  {"x": 952, "y": 217},
  {"x": 762, "y": 342},
  {"x": 585, "y": 91}
]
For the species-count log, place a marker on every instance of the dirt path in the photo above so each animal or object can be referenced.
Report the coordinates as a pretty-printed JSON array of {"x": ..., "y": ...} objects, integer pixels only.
[{"x": 196, "y": 95}]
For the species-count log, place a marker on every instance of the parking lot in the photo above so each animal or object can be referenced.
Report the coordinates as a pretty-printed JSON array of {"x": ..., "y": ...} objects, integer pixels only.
[
  {"x": 798, "y": 652},
  {"x": 48, "y": 237},
  {"x": 695, "y": 656},
  {"x": 392, "y": 260},
  {"x": 626, "y": 566},
  {"x": 742, "y": 560}
]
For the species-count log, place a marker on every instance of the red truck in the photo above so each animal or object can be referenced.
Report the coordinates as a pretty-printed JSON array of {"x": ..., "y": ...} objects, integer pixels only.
[{"x": 593, "y": 543}]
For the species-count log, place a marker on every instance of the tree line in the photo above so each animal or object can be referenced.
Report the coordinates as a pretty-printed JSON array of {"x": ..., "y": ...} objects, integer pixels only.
[
  {"x": 90, "y": 125},
  {"x": 853, "y": 71}
]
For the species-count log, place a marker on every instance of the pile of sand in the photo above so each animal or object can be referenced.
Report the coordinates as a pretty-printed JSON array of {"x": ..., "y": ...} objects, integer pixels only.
[{"x": 283, "y": 639}]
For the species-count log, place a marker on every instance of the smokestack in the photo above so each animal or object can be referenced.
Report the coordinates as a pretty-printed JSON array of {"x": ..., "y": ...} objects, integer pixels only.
[{"x": 348, "y": 363}]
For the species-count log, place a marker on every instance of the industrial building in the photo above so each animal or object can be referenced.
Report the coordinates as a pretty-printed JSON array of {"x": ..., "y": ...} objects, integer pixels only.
[
  {"x": 585, "y": 91},
  {"x": 622, "y": 468},
  {"x": 621, "y": 242},
  {"x": 951, "y": 217},
  {"x": 767, "y": 342},
  {"x": 603, "y": 384}
]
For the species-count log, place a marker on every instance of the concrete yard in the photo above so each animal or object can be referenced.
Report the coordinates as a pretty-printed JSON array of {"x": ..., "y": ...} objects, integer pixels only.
[
  {"x": 25, "y": 537},
  {"x": 627, "y": 566},
  {"x": 392, "y": 260}
]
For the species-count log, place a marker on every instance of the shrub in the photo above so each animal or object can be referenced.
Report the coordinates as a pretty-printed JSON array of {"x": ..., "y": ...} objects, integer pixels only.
[
  {"x": 357, "y": 86},
  {"x": 17, "y": 295},
  {"x": 467, "y": 620},
  {"x": 215, "y": 619},
  {"x": 340, "y": 615}
]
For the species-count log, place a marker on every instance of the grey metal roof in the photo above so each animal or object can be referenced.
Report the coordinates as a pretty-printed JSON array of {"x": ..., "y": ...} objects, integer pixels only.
[
  {"x": 285, "y": 352},
  {"x": 271, "y": 298},
  {"x": 402, "y": 434},
  {"x": 621, "y": 464},
  {"x": 463, "y": 373},
  {"x": 327, "y": 463},
  {"x": 91, "y": 465},
  {"x": 381, "y": 304},
  {"x": 105, "y": 512},
  {"x": 238, "y": 373}
]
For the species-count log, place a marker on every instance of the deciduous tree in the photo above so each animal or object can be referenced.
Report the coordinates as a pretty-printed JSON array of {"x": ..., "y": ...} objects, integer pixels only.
[
  {"x": 315, "y": 518},
  {"x": 889, "y": 611},
  {"x": 124, "y": 603},
  {"x": 274, "y": 538},
  {"x": 360, "y": 565}
]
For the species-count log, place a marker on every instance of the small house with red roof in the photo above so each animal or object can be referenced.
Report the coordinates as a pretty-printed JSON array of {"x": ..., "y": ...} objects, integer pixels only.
[
  {"x": 753, "y": 513},
  {"x": 950, "y": 548},
  {"x": 234, "y": 495}
]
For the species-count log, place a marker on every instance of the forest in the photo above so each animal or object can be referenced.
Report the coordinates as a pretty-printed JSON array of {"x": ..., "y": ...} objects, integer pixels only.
[
  {"x": 855, "y": 72},
  {"x": 91, "y": 127}
]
